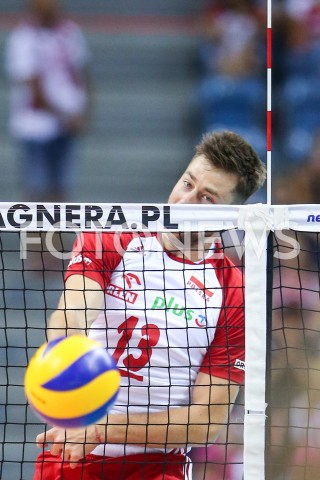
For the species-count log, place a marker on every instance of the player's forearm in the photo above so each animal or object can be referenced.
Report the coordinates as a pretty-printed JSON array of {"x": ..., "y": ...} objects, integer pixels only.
[
  {"x": 176, "y": 427},
  {"x": 63, "y": 323}
]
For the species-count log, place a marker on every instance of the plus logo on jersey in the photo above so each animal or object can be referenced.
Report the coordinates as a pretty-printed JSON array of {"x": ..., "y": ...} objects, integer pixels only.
[
  {"x": 125, "y": 294},
  {"x": 195, "y": 284},
  {"x": 179, "y": 310},
  {"x": 173, "y": 307}
]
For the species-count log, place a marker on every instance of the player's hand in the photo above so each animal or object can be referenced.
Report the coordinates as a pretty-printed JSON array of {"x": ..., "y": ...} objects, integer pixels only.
[{"x": 71, "y": 444}]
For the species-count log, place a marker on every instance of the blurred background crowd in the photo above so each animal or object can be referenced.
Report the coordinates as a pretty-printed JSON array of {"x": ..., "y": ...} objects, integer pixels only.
[
  {"x": 146, "y": 80},
  {"x": 163, "y": 75},
  {"x": 232, "y": 86}
]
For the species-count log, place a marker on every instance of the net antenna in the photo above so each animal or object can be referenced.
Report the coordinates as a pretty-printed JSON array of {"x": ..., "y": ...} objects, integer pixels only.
[{"x": 269, "y": 102}]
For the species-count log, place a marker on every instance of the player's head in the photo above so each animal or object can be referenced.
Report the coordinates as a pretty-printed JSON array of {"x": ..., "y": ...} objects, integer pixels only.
[{"x": 225, "y": 169}]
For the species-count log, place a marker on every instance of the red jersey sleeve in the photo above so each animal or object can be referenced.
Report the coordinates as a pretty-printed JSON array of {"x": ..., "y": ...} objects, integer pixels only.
[
  {"x": 225, "y": 357},
  {"x": 96, "y": 255}
]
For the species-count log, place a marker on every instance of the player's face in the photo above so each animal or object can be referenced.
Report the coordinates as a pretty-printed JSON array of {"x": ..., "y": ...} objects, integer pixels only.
[{"x": 205, "y": 184}]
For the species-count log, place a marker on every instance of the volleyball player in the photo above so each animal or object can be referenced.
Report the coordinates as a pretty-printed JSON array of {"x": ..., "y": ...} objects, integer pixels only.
[{"x": 172, "y": 316}]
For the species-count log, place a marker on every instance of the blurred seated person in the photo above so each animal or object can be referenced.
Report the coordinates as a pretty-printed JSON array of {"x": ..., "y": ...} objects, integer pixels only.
[
  {"x": 302, "y": 37},
  {"x": 224, "y": 459},
  {"x": 295, "y": 420}
]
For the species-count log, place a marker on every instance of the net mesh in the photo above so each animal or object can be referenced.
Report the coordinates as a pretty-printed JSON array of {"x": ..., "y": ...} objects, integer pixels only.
[
  {"x": 32, "y": 281},
  {"x": 295, "y": 362},
  {"x": 30, "y": 289}
]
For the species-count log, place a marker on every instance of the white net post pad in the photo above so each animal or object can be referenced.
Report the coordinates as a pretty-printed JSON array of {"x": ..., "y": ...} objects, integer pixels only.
[{"x": 256, "y": 222}]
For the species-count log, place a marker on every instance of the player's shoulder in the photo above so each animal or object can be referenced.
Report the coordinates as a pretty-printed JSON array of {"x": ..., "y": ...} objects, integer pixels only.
[
  {"x": 227, "y": 271},
  {"x": 108, "y": 240},
  {"x": 234, "y": 272}
]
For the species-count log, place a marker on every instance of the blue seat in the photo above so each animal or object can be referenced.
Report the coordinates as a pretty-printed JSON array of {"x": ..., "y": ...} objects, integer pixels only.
[
  {"x": 299, "y": 105},
  {"x": 254, "y": 135},
  {"x": 302, "y": 62},
  {"x": 298, "y": 144},
  {"x": 231, "y": 101},
  {"x": 299, "y": 101}
]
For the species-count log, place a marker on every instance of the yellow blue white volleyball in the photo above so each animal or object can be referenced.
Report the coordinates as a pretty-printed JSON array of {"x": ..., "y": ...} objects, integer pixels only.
[{"x": 71, "y": 381}]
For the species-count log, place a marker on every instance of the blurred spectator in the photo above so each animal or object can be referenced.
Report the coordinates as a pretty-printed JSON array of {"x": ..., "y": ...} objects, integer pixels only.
[
  {"x": 304, "y": 18},
  {"x": 295, "y": 362},
  {"x": 230, "y": 38},
  {"x": 224, "y": 459},
  {"x": 295, "y": 439},
  {"x": 301, "y": 184},
  {"x": 297, "y": 62},
  {"x": 305, "y": 421},
  {"x": 47, "y": 65}
]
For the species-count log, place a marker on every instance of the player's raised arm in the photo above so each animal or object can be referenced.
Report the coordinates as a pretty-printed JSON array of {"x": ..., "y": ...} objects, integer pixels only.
[{"x": 78, "y": 307}]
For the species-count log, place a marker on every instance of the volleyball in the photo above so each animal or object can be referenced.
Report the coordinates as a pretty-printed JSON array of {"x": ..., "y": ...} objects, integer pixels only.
[{"x": 71, "y": 382}]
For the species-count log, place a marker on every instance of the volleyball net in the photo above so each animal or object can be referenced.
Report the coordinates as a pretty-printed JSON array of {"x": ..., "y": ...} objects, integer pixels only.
[{"x": 273, "y": 430}]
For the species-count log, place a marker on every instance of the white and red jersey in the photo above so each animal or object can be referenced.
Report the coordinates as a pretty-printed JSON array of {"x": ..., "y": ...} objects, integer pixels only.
[{"x": 164, "y": 319}]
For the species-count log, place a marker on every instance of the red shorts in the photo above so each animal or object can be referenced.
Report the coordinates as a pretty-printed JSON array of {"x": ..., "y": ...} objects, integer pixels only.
[{"x": 150, "y": 466}]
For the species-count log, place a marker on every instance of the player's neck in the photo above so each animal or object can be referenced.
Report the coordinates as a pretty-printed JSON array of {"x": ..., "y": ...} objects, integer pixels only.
[{"x": 186, "y": 245}]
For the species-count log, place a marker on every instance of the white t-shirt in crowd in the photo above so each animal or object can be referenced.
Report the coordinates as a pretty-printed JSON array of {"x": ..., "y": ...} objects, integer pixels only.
[{"x": 57, "y": 56}]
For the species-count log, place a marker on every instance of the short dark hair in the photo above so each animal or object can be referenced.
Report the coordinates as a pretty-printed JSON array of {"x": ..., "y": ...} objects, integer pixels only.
[{"x": 230, "y": 152}]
